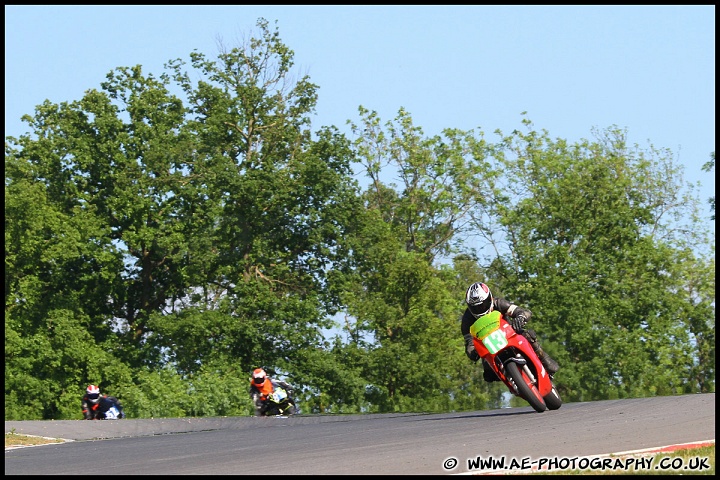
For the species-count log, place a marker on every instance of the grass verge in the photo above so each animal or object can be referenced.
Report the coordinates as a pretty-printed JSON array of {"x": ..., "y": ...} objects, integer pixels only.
[{"x": 13, "y": 439}]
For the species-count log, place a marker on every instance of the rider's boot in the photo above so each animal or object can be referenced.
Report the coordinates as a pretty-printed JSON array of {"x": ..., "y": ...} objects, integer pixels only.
[{"x": 550, "y": 365}]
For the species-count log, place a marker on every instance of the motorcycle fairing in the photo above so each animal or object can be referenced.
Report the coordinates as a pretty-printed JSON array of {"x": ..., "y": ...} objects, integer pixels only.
[{"x": 494, "y": 338}]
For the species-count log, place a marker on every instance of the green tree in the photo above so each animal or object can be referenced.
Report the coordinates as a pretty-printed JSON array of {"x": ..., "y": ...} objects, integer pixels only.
[
  {"x": 60, "y": 268},
  {"x": 596, "y": 233},
  {"x": 166, "y": 235},
  {"x": 404, "y": 313},
  {"x": 282, "y": 201},
  {"x": 194, "y": 241},
  {"x": 709, "y": 167}
]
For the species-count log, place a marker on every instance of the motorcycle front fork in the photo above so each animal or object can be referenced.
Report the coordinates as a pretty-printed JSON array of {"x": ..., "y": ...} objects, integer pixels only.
[
  {"x": 530, "y": 375},
  {"x": 526, "y": 369}
]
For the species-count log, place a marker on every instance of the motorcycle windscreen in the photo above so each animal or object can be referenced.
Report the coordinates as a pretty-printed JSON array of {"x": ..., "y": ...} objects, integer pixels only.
[
  {"x": 112, "y": 414},
  {"x": 278, "y": 395},
  {"x": 485, "y": 325}
]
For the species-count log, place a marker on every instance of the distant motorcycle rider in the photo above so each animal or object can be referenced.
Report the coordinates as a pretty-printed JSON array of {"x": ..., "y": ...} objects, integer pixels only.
[
  {"x": 480, "y": 302},
  {"x": 100, "y": 407},
  {"x": 261, "y": 387}
]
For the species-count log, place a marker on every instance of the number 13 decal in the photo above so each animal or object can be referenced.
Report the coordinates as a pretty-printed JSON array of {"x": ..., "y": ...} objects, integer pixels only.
[{"x": 496, "y": 341}]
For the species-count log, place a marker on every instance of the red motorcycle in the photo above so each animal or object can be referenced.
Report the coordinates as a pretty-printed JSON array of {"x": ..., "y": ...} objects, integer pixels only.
[{"x": 514, "y": 361}]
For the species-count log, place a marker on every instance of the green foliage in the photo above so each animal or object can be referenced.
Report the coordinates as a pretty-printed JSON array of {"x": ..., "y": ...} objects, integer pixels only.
[
  {"x": 598, "y": 263},
  {"x": 166, "y": 235},
  {"x": 333, "y": 378},
  {"x": 164, "y": 394},
  {"x": 709, "y": 167}
]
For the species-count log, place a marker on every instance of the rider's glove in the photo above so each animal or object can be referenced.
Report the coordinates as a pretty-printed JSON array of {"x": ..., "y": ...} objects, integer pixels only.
[
  {"x": 470, "y": 351},
  {"x": 518, "y": 323}
]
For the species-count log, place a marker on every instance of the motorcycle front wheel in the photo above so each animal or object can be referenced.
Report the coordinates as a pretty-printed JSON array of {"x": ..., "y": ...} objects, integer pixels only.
[
  {"x": 552, "y": 399},
  {"x": 528, "y": 391},
  {"x": 285, "y": 409},
  {"x": 290, "y": 409}
]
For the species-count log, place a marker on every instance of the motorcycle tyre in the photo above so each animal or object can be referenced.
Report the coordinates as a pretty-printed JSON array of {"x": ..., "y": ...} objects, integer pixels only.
[
  {"x": 274, "y": 410},
  {"x": 527, "y": 390},
  {"x": 552, "y": 399},
  {"x": 290, "y": 410}
]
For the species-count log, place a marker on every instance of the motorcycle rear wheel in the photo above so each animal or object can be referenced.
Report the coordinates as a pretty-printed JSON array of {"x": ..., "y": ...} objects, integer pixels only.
[{"x": 528, "y": 391}]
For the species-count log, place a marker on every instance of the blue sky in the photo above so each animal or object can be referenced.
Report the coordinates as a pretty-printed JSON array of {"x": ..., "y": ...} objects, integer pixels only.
[{"x": 647, "y": 69}]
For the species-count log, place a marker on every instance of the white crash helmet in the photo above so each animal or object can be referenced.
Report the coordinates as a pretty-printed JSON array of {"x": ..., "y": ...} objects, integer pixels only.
[
  {"x": 479, "y": 299},
  {"x": 93, "y": 393}
]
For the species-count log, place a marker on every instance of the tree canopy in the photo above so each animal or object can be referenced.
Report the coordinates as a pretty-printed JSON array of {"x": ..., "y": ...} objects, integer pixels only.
[{"x": 165, "y": 235}]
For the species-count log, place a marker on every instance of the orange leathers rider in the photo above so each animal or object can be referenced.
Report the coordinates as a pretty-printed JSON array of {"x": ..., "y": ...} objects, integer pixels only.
[
  {"x": 261, "y": 383},
  {"x": 261, "y": 387}
]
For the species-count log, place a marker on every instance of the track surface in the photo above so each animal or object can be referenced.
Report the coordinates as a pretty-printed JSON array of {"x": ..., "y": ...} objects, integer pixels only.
[{"x": 359, "y": 444}]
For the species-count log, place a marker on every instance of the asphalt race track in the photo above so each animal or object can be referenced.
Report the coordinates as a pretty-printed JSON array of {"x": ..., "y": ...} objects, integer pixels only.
[{"x": 376, "y": 444}]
